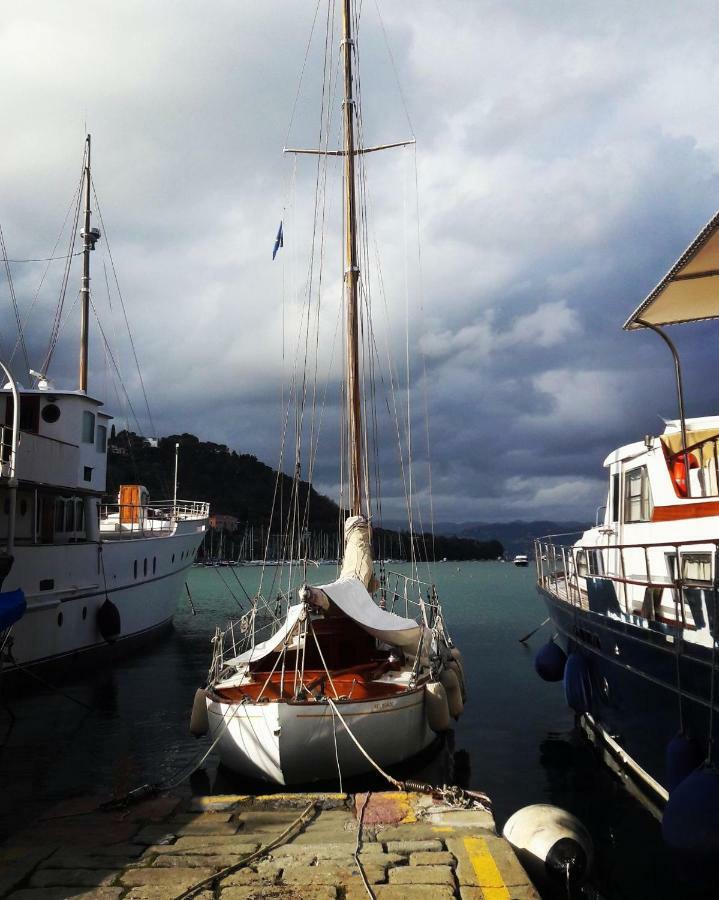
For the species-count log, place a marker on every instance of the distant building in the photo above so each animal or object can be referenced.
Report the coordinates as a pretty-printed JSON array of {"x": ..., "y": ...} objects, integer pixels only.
[{"x": 219, "y": 520}]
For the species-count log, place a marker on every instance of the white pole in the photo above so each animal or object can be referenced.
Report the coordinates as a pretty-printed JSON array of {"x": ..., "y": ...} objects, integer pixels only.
[{"x": 174, "y": 496}]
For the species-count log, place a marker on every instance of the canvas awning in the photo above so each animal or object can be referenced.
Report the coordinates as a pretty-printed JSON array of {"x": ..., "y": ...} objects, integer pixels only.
[
  {"x": 274, "y": 643},
  {"x": 689, "y": 292},
  {"x": 351, "y": 596}
]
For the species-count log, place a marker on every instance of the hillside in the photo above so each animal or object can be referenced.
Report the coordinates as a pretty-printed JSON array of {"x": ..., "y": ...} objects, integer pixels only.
[{"x": 240, "y": 485}]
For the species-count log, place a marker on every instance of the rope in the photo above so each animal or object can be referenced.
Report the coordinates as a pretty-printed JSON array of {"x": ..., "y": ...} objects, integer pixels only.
[
  {"x": 393, "y": 781},
  {"x": 44, "y": 258},
  {"x": 358, "y": 861},
  {"x": 299, "y": 822},
  {"x": 47, "y": 684}
]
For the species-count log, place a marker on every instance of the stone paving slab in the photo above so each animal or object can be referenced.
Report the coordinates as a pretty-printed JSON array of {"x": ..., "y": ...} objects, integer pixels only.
[
  {"x": 207, "y": 845},
  {"x": 409, "y": 850}
]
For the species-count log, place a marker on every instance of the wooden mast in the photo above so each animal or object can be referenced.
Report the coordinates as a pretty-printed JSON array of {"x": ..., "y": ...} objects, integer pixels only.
[
  {"x": 351, "y": 277},
  {"x": 88, "y": 245}
]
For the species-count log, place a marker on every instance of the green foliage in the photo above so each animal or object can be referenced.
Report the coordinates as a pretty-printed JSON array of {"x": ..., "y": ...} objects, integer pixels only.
[{"x": 238, "y": 484}]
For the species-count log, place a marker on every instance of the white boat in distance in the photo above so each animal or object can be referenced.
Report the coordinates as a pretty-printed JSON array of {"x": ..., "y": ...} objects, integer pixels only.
[
  {"x": 79, "y": 576},
  {"x": 330, "y": 680},
  {"x": 521, "y": 559}
]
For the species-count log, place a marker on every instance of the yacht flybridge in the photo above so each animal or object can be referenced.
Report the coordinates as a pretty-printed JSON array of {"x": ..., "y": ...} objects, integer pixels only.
[
  {"x": 635, "y": 598},
  {"x": 78, "y": 575}
]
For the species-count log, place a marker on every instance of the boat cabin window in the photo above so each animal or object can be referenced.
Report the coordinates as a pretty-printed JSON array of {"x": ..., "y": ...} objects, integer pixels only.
[
  {"x": 696, "y": 567},
  {"x": 29, "y": 413},
  {"x": 69, "y": 519},
  {"x": 88, "y": 427},
  {"x": 581, "y": 559},
  {"x": 615, "y": 497},
  {"x": 638, "y": 504}
]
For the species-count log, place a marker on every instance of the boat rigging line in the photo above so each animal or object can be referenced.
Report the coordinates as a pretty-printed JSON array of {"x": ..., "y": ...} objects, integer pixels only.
[
  {"x": 11, "y": 288},
  {"x": 124, "y": 311}
]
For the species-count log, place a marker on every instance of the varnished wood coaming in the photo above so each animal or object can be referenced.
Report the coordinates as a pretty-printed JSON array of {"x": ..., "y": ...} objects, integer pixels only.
[
  {"x": 678, "y": 511},
  {"x": 351, "y": 685}
]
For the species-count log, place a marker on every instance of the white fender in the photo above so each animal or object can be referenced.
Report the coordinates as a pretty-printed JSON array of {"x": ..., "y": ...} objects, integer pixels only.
[
  {"x": 551, "y": 842},
  {"x": 456, "y": 667},
  {"x": 199, "y": 723},
  {"x": 450, "y": 682},
  {"x": 436, "y": 706}
]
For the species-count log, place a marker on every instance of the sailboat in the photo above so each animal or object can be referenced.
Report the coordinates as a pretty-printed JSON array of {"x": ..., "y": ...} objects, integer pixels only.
[{"x": 340, "y": 681}]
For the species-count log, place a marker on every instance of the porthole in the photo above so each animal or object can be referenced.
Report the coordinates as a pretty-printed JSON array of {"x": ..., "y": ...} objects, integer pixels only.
[
  {"x": 135, "y": 569},
  {"x": 173, "y": 557},
  {"x": 59, "y": 618},
  {"x": 84, "y": 613},
  {"x": 50, "y": 413},
  {"x": 144, "y": 568}
]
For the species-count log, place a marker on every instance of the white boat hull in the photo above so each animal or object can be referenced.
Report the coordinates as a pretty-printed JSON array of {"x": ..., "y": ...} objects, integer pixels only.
[
  {"x": 142, "y": 577},
  {"x": 294, "y": 743}
]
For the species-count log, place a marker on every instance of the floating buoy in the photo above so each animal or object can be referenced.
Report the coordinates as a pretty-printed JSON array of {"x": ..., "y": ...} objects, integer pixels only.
[
  {"x": 450, "y": 682},
  {"x": 550, "y": 661},
  {"x": 551, "y": 843},
  {"x": 577, "y": 683},
  {"x": 683, "y": 756},
  {"x": 436, "y": 706},
  {"x": 690, "y": 823},
  {"x": 456, "y": 667},
  {"x": 199, "y": 722},
  {"x": 108, "y": 621}
]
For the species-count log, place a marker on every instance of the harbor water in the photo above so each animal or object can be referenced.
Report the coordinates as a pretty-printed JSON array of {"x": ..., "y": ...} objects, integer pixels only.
[{"x": 127, "y": 724}]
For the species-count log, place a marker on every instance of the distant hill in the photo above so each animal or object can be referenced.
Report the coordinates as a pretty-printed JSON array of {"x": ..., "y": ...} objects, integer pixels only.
[
  {"x": 240, "y": 485},
  {"x": 516, "y": 536}
]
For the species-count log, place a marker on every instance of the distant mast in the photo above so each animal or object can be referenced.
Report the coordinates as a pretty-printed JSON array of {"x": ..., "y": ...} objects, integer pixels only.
[
  {"x": 351, "y": 277},
  {"x": 90, "y": 237}
]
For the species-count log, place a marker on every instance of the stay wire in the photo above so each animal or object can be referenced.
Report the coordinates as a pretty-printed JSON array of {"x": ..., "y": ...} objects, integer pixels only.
[
  {"x": 124, "y": 311},
  {"x": 49, "y": 259},
  {"x": 13, "y": 298},
  {"x": 54, "y": 332}
]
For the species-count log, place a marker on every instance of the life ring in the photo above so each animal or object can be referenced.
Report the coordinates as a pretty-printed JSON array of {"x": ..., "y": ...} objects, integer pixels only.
[{"x": 679, "y": 473}]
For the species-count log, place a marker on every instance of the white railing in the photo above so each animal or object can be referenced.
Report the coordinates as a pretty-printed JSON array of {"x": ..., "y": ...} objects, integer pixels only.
[
  {"x": 127, "y": 520},
  {"x": 642, "y": 574},
  {"x": 7, "y": 452}
]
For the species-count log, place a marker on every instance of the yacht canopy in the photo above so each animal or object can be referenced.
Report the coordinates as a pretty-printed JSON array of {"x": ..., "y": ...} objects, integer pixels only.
[
  {"x": 274, "y": 643},
  {"x": 350, "y": 595},
  {"x": 689, "y": 292}
]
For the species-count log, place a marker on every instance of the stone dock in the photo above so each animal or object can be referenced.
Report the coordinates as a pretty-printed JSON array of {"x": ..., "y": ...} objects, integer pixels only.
[{"x": 390, "y": 846}]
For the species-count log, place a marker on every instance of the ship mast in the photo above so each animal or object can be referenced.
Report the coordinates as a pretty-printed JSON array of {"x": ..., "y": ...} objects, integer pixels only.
[
  {"x": 90, "y": 237},
  {"x": 351, "y": 277}
]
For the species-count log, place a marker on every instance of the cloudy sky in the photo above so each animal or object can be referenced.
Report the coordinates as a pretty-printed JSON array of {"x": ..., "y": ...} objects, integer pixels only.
[{"x": 566, "y": 154}]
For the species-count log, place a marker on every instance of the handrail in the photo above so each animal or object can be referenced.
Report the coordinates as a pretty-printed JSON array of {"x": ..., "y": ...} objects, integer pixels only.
[
  {"x": 549, "y": 571},
  {"x": 12, "y": 462}
]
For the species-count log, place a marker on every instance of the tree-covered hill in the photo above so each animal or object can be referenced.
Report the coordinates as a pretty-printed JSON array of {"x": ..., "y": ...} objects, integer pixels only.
[{"x": 240, "y": 485}]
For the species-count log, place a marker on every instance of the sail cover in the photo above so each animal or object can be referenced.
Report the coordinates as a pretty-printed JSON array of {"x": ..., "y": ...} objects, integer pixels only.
[
  {"x": 274, "y": 643},
  {"x": 357, "y": 561},
  {"x": 689, "y": 292},
  {"x": 350, "y": 595}
]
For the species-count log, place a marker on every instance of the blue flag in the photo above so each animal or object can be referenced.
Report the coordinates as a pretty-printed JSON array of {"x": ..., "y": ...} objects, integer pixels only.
[{"x": 279, "y": 242}]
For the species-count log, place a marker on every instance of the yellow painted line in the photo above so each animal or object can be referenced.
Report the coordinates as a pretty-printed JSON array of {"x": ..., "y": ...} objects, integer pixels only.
[
  {"x": 442, "y": 828},
  {"x": 485, "y": 868}
]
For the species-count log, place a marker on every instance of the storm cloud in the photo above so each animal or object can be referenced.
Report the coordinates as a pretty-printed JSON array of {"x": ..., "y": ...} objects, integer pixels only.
[{"x": 566, "y": 154}]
